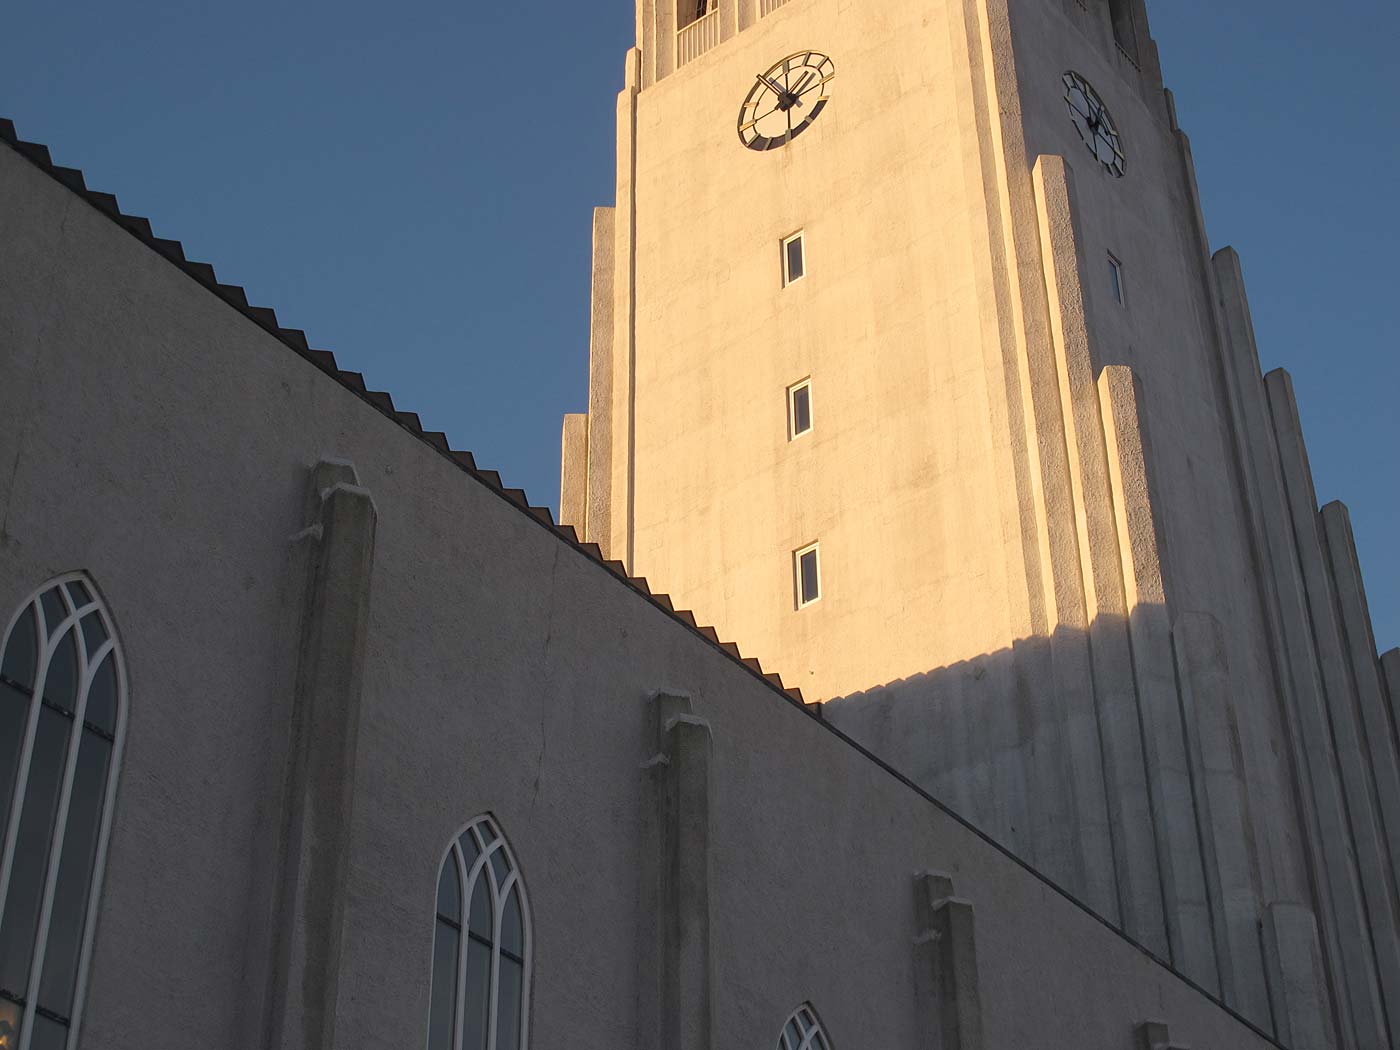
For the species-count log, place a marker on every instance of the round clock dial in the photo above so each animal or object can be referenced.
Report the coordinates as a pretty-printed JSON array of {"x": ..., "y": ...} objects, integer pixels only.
[
  {"x": 785, "y": 100},
  {"x": 1095, "y": 124}
]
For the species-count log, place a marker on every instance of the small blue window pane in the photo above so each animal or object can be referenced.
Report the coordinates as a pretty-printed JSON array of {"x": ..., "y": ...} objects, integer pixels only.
[
  {"x": 14, "y": 720},
  {"x": 78, "y": 594},
  {"x": 444, "y": 996},
  {"x": 811, "y": 590},
  {"x": 1115, "y": 276},
  {"x": 31, "y": 858},
  {"x": 795, "y": 260},
  {"x": 54, "y": 609},
  {"x": 502, "y": 866},
  {"x": 22, "y": 652},
  {"x": 508, "y": 1005},
  {"x": 75, "y": 871},
  {"x": 512, "y": 925},
  {"x": 93, "y": 632},
  {"x": 474, "y": 1011},
  {"x": 61, "y": 682},
  {"x": 449, "y": 895},
  {"x": 101, "y": 710},
  {"x": 481, "y": 917},
  {"x": 48, "y": 1035},
  {"x": 801, "y": 410}
]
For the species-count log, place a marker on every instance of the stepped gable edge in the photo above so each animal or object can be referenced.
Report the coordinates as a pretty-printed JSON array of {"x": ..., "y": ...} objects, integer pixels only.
[{"x": 325, "y": 361}]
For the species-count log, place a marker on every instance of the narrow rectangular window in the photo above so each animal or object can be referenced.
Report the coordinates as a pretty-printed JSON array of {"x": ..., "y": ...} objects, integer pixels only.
[
  {"x": 794, "y": 259},
  {"x": 1115, "y": 276},
  {"x": 807, "y": 569},
  {"x": 799, "y": 409}
]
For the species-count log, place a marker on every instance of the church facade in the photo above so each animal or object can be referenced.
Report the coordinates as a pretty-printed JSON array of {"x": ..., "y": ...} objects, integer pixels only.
[
  {"x": 913, "y": 371},
  {"x": 315, "y": 735}
]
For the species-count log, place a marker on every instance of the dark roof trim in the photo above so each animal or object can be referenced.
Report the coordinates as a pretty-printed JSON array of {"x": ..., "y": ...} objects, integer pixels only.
[{"x": 324, "y": 360}]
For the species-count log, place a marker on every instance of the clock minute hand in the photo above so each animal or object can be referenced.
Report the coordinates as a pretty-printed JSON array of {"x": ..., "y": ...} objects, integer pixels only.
[{"x": 786, "y": 98}]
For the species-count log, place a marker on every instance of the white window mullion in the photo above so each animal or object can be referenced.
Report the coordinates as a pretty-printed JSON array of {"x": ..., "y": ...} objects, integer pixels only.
[
  {"x": 494, "y": 984},
  {"x": 65, "y": 797},
  {"x": 464, "y": 912}
]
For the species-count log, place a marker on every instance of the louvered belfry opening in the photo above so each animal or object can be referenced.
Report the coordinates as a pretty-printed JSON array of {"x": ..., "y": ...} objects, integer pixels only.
[{"x": 1124, "y": 25}]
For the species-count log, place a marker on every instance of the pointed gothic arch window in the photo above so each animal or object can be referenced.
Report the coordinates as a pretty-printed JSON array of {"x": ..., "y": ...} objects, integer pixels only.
[
  {"x": 62, "y": 714},
  {"x": 803, "y": 1031},
  {"x": 481, "y": 946}
]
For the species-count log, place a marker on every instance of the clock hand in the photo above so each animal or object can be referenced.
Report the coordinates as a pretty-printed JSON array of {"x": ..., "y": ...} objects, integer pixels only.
[{"x": 786, "y": 99}]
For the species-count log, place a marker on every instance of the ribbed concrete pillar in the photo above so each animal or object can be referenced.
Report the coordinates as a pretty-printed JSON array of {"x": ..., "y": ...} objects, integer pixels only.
[
  {"x": 617, "y": 542},
  {"x": 1101, "y": 567},
  {"x": 1390, "y": 669},
  {"x": 602, "y": 427},
  {"x": 573, "y": 474},
  {"x": 304, "y": 979},
  {"x": 1300, "y": 1006},
  {"x": 950, "y": 1003},
  {"x": 1322, "y": 811},
  {"x": 1212, "y": 733},
  {"x": 1379, "y": 732},
  {"x": 1168, "y": 769},
  {"x": 1371, "y": 969},
  {"x": 686, "y": 978}
]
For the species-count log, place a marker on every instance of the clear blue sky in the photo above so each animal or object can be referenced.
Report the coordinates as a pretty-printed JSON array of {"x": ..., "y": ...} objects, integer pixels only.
[{"x": 412, "y": 182}]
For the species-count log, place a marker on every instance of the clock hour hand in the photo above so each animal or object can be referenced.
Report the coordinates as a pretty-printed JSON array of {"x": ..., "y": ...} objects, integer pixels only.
[{"x": 786, "y": 99}]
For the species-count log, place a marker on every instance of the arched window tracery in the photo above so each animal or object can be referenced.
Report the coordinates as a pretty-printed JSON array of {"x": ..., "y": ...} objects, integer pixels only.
[
  {"x": 62, "y": 712},
  {"x": 803, "y": 1031},
  {"x": 481, "y": 946}
]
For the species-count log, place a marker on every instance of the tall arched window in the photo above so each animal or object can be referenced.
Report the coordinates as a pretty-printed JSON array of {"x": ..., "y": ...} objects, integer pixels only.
[
  {"x": 62, "y": 709},
  {"x": 481, "y": 947},
  {"x": 803, "y": 1031}
]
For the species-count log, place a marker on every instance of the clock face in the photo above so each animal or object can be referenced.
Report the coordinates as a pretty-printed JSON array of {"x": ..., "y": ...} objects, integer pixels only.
[
  {"x": 1095, "y": 124},
  {"x": 785, "y": 100}
]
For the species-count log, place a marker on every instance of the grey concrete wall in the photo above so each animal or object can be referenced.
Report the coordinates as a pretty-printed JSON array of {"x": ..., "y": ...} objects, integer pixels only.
[{"x": 156, "y": 438}]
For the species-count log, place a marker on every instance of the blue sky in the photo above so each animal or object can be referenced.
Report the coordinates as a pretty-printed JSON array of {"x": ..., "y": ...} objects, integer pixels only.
[{"x": 412, "y": 184}]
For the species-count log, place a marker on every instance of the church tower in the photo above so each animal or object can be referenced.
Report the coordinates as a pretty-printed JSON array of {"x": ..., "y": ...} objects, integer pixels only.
[{"x": 913, "y": 373}]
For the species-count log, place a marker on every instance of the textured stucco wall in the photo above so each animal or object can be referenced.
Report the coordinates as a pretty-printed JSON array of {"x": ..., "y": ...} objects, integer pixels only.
[{"x": 162, "y": 442}]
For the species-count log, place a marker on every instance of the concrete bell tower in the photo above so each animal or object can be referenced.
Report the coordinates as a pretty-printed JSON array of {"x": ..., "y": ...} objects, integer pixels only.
[{"x": 938, "y": 403}]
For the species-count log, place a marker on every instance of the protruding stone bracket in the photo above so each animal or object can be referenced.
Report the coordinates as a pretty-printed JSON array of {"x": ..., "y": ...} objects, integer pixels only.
[
  {"x": 682, "y": 769},
  {"x": 1153, "y": 1035},
  {"x": 945, "y": 947}
]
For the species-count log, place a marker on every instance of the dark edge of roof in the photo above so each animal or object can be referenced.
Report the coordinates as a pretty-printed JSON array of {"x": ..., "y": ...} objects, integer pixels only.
[{"x": 324, "y": 360}]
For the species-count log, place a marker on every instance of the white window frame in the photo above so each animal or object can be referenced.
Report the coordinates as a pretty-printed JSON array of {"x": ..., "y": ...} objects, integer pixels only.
[
  {"x": 797, "y": 556},
  {"x": 810, "y": 1033},
  {"x": 788, "y": 279},
  {"x": 793, "y": 432},
  {"x": 468, "y": 877},
  {"x": 49, "y": 639},
  {"x": 1115, "y": 265}
]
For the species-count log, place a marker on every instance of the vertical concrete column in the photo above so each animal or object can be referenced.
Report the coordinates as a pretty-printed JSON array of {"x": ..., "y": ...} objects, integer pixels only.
[
  {"x": 728, "y": 18},
  {"x": 945, "y": 947},
  {"x": 1390, "y": 669},
  {"x": 320, "y": 796},
  {"x": 646, "y": 41},
  {"x": 1050, "y": 836},
  {"x": 1049, "y": 500},
  {"x": 686, "y": 978},
  {"x": 573, "y": 474},
  {"x": 1168, "y": 769},
  {"x": 617, "y": 543},
  {"x": 748, "y": 13},
  {"x": 1101, "y": 568},
  {"x": 602, "y": 426},
  {"x": 1379, "y": 732},
  {"x": 1300, "y": 1005},
  {"x": 1213, "y": 738},
  {"x": 664, "y": 45},
  {"x": 1322, "y": 811},
  {"x": 1371, "y": 969}
]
